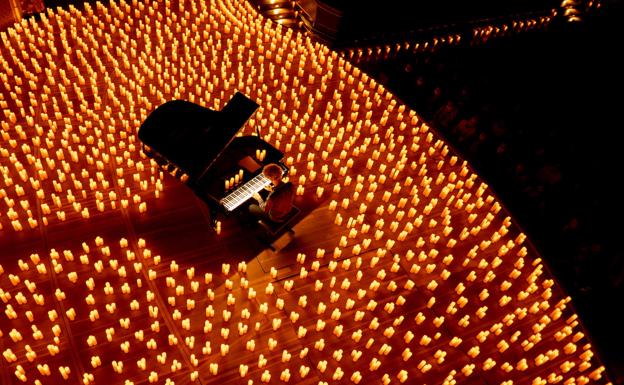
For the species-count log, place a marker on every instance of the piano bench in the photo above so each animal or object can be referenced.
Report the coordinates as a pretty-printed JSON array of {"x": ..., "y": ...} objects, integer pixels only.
[{"x": 273, "y": 229}]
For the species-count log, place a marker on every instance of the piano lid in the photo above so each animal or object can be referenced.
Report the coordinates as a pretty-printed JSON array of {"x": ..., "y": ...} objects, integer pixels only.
[{"x": 191, "y": 136}]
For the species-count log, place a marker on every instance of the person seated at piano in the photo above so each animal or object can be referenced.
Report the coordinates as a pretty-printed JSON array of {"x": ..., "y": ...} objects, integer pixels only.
[{"x": 279, "y": 202}]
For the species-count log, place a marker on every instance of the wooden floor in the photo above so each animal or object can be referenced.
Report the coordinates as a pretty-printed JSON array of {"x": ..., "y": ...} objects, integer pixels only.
[{"x": 403, "y": 268}]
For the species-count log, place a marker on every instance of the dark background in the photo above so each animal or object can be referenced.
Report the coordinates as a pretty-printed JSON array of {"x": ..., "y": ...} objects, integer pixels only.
[
  {"x": 364, "y": 20},
  {"x": 539, "y": 115}
]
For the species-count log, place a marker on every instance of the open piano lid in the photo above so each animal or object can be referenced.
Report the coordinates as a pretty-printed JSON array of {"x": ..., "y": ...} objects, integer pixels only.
[{"x": 193, "y": 137}]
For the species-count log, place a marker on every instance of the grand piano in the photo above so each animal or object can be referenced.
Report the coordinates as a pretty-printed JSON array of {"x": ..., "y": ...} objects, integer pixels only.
[{"x": 200, "y": 146}]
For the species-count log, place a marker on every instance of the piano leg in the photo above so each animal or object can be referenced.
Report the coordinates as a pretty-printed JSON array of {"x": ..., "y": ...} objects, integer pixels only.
[{"x": 213, "y": 209}]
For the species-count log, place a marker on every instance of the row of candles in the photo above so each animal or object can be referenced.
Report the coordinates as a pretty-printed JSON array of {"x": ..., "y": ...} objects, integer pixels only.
[{"x": 479, "y": 35}]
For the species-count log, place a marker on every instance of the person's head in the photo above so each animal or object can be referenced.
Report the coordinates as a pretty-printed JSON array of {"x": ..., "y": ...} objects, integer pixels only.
[{"x": 273, "y": 172}]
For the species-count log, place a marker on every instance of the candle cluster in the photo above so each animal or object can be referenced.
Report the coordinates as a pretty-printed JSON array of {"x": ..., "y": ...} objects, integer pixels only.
[
  {"x": 234, "y": 181},
  {"x": 69, "y": 147},
  {"x": 122, "y": 307},
  {"x": 425, "y": 279}
]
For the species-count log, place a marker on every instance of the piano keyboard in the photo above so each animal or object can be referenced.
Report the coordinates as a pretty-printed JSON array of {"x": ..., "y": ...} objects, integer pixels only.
[{"x": 244, "y": 192}]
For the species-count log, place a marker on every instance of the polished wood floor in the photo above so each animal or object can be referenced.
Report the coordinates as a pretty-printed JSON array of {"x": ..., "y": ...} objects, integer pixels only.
[{"x": 404, "y": 267}]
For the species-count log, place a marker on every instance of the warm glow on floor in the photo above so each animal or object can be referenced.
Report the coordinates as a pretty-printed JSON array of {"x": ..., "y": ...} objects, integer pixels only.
[{"x": 428, "y": 280}]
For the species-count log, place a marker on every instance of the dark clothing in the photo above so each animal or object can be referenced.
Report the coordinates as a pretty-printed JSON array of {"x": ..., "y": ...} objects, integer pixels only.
[
  {"x": 277, "y": 205},
  {"x": 279, "y": 202},
  {"x": 257, "y": 212}
]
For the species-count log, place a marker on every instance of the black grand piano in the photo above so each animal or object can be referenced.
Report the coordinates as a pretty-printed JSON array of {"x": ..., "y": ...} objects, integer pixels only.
[{"x": 199, "y": 145}]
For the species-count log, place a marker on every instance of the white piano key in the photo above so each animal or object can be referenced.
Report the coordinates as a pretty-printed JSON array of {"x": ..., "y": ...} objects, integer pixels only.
[{"x": 244, "y": 192}]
